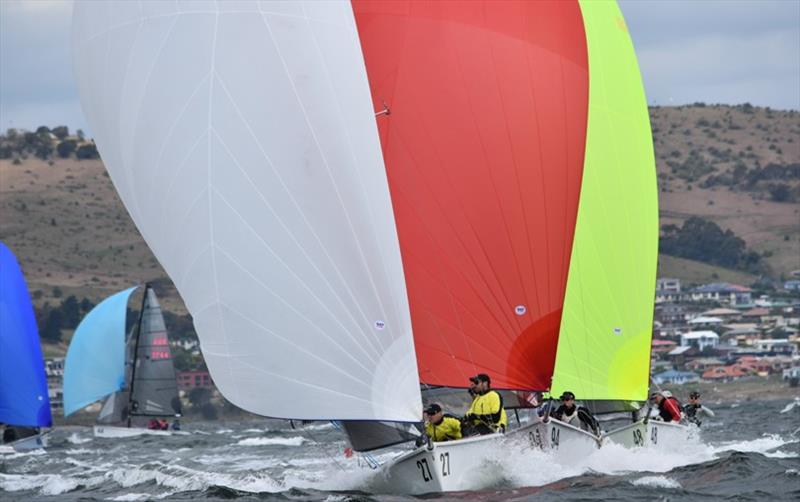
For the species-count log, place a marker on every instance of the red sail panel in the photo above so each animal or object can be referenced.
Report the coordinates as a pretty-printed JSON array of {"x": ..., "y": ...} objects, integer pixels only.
[{"x": 483, "y": 148}]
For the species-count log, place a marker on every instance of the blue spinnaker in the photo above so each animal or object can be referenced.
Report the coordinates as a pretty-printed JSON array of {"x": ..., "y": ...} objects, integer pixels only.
[
  {"x": 95, "y": 364},
  {"x": 23, "y": 384}
]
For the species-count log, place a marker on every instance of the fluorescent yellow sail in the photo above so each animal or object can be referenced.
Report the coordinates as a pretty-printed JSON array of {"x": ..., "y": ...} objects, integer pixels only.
[{"x": 606, "y": 328}]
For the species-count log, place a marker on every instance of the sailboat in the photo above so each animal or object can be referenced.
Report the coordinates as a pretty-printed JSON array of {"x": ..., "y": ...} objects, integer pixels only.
[
  {"x": 354, "y": 198},
  {"x": 24, "y": 402},
  {"x": 134, "y": 375}
]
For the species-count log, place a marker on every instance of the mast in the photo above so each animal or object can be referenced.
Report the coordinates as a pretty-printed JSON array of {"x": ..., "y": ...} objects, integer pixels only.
[{"x": 136, "y": 353}]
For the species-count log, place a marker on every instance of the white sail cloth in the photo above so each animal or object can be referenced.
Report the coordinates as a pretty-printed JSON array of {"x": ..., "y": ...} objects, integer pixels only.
[{"x": 241, "y": 137}]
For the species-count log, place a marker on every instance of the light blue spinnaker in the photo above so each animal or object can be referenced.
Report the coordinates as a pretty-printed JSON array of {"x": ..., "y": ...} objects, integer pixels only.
[
  {"x": 95, "y": 364},
  {"x": 23, "y": 384}
]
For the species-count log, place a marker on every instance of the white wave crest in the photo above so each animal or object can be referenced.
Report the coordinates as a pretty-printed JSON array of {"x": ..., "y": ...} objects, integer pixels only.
[
  {"x": 789, "y": 407},
  {"x": 760, "y": 445},
  {"x": 292, "y": 441},
  {"x": 657, "y": 482},
  {"x": 46, "y": 484},
  {"x": 76, "y": 438}
]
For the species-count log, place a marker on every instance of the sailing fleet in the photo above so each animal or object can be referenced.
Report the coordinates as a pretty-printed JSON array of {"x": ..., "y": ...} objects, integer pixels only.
[{"x": 364, "y": 203}]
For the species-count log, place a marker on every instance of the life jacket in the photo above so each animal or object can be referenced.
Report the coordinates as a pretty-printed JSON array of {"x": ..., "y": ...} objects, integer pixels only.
[
  {"x": 488, "y": 409},
  {"x": 670, "y": 410},
  {"x": 446, "y": 430}
]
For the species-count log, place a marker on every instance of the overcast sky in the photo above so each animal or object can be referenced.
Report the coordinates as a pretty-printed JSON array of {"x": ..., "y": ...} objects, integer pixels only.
[{"x": 716, "y": 51}]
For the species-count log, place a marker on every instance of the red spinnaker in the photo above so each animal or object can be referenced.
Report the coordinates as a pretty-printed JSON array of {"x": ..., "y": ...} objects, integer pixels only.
[{"x": 484, "y": 148}]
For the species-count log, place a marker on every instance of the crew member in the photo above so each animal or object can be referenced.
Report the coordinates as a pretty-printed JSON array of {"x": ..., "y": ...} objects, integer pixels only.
[
  {"x": 669, "y": 409},
  {"x": 577, "y": 416},
  {"x": 440, "y": 426},
  {"x": 486, "y": 413},
  {"x": 694, "y": 409}
]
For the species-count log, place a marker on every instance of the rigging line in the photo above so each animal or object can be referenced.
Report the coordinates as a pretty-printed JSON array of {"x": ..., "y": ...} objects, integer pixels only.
[
  {"x": 324, "y": 450},
  {"x": 136, "y": 350}
]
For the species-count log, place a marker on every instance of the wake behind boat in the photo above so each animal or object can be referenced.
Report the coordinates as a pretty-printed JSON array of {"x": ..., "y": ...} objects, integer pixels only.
[
  {"x": 24, "y": 401},
  {"x": 136, "y": 375}
]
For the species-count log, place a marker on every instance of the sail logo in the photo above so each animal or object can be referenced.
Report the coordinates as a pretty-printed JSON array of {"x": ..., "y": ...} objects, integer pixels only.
[
  {"x": 617, "y": 331},
  {"x": 520, "y": 309},
  {"x": 379, "y": 325}
]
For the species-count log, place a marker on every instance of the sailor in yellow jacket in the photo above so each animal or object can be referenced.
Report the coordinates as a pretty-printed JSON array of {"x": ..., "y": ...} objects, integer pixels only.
[
  {"x": 486, "y": 413},
  {"x": 441, "y": 427}
]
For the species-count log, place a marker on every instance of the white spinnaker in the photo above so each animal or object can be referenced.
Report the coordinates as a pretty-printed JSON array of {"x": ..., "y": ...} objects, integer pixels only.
[{"x": 241, "y": 137}]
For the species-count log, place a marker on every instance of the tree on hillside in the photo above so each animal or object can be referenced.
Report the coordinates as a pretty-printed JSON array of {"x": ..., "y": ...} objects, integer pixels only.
[
  {"x": 51, "y": 329},
  {"x": 66, "y": 148},
  {"x": 60, "y": 132},
  {"x": 71, "y": 312},
  {"x": 705, "y": 241},
  {"x": 87, "y": 151}
]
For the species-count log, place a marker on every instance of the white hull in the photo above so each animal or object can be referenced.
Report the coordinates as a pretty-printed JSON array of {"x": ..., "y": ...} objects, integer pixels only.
[
  {"x": 569, "y": 444},
  {"x": 29, "y": 443},
  {"x": 653, "y": 434},
  {"x": 107, "y": 431},
  {"x": 466, "y": 464}
]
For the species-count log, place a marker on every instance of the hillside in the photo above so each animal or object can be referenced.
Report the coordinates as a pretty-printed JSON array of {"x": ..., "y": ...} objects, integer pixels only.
[{"x": 64, "y": 220}]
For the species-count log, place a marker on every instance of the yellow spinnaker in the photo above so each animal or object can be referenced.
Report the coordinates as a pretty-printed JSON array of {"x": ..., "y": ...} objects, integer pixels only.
[{"x": 606, "y": 328}]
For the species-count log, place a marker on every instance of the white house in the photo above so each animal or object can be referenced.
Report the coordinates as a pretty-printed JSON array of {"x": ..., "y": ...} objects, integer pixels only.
[{"x": 700, "y": 339}]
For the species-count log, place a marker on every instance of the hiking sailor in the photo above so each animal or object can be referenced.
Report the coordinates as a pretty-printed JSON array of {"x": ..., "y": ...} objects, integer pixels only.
[
  {"x": 440, "y": 426},
  {"x": 694, "y": 409},
  {"x": 577, "y": 416},
  {"x": 486, "y": 413},
  {"x": 669, "y": 409}
]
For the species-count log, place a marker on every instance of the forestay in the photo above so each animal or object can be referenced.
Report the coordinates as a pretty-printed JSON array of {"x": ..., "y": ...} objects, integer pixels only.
[{"x": 241, "y": 138}]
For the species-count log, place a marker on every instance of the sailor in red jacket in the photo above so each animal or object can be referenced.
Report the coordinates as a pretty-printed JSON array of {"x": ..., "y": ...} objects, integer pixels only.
[{"x": 669, "y": 409}]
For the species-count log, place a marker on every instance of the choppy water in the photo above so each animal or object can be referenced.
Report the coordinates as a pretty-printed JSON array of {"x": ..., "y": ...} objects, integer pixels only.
[{"x": 751, "y": 451}]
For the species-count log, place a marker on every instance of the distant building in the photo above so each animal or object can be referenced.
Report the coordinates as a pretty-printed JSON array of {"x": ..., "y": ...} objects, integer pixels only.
[
  {"x": 705, "y": 322},
  {"x": 660, "y": 347},
  {"x": 703, "y": 363},
  {"x": 727, "y": 315},
  {"x": 670, "y": 313},
  {"x": 700, "y": 339},
  {"x": 776, "y": 346},
  {"x": 722, "y": 292},
  {"x": 675, "y": 377},
  {"x": 188, "y": 380},
  {"x": 54, "y": 367},
  {"x": 724, "y": 373},
  {"x": 793, "y": 285},
  {"x": 668, "y": 290}
]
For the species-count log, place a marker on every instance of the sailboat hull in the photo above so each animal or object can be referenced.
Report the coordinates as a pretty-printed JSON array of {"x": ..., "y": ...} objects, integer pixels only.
[
  {"x": 29, "y": 443},
  {"x": 105, "y": 431},
  {"x": 568, "y": 443},
  {"x": 467, "y": 464},
  {"x": 652, "y": 434}
]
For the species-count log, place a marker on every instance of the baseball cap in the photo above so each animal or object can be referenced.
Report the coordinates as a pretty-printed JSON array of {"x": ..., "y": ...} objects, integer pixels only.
[
  {"x": 567, "y": 396},
  {"x": 480, "y": 377},
  {"x": 432, "y": 409}
]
